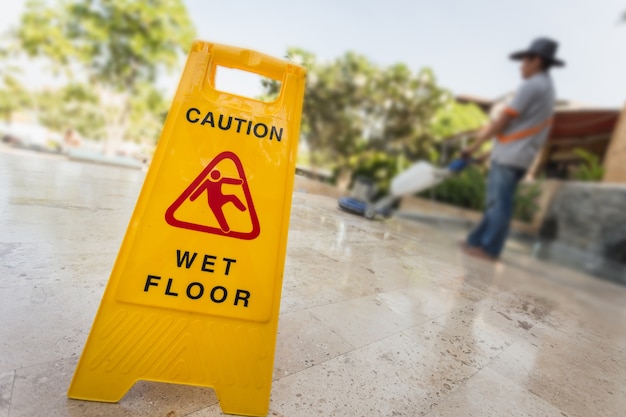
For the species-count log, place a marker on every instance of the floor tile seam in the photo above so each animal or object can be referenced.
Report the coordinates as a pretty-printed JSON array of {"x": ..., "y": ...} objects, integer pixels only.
[
  {"x": 411, "y": 286},
  {"x": 517, "y": 340},
  {"x": 486, "y": 357},
  {"x": 514, "y": 342},
  {"x": 555, "y": 276},
  {"x": 600, "y": 301},
  {"x": 26, "y": 285},
  {"x": 433, "y": 320},
  {"x": 357, "y": 297},
  {"x": 401, "y": 331},
  {"x": 8, "y": 370},
  {"x": 484, "y": 295},
  {"x": 460, "y": 384},
  {"x": 589, "y": 331},
  {"x": 486, "y": 367},
  {"x": 490, "y": 362},
  {"x": 11, "y": 392},
  {"x": 354, "y": 348},
  {"x": 45, "y": 363},
  {"x": 437, "y": 317},
  {"x": 274, "y": 413},
  {"x": 520, "y": 387},
  {"x": 322, "y": 362},
  {"x": 322, "y": 304},
  {"x": 333, "y": 331},
  {"x": 407, "y": 287},
  {"x": 541, "y": 399},
  {"x": 457, "y": 387},
  {"x": 430, "y": 319},
  {"x": 543, "y": 325},
  {"x": 217, "y": 402}
]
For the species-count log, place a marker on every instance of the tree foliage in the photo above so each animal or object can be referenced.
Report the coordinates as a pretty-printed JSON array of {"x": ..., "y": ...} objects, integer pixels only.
[
  {"x": 119, "y": 43},
  {"x": 74, "y": 106},
  {"x": 362, "y": 118},
  {"x": 116, "y": 49},
  {"x": 13, "y": 96},
  {"x": 455, "y": 117},
  {"x": 404, "y": 104}
]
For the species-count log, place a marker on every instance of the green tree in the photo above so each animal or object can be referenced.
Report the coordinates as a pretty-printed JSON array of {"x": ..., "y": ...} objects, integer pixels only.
[
  {"x": 404, "y": 105},
  {"x": 454, "y": 117},
  {"x": 148, "y": 111},
  {"x": 75, "y": 107},
  {"x": 335, "y": 101},
  {"x": 358, "y": 116},
  {"x": 13, "y": 96},
  {"x": 121, "y": 45},
  {"x": 401, "y": 105}
]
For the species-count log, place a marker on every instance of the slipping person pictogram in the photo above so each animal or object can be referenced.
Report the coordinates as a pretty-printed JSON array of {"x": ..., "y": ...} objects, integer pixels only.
[
  {"x": 212, "y": 182},
  {"x": 216, "y": 197}
]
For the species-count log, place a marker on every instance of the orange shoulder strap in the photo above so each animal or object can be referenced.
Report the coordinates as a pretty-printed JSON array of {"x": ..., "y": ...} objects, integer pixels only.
[{"x": 524, "y": 133}]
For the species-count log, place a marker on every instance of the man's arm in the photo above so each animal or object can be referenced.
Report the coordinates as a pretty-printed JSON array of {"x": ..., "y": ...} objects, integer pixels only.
[
  {"x": 490, "y": 130},
  {"x": 526, "y": 94}
]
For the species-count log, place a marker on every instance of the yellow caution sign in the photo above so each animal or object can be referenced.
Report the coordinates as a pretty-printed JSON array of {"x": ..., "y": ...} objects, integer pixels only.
[{"x": 194, "y": 295}]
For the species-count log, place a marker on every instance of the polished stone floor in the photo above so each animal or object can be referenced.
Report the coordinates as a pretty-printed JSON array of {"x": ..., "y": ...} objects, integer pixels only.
[{"x": 382, "y": 318}]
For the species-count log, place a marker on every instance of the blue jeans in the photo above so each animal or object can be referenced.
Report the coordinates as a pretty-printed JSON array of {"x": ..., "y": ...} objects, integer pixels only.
[{"x": 492, "y": 231}]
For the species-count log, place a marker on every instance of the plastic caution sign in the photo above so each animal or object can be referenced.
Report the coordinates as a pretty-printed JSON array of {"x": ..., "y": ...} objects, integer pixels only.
[{"x": 194, "y": 295}]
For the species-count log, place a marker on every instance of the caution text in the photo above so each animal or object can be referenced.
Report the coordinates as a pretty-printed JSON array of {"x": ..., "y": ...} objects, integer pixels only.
[{"x": 238, "y": 124}]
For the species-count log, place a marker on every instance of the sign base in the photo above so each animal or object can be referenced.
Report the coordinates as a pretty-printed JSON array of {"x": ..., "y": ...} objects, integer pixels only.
[{"x": 136, "y": 343}]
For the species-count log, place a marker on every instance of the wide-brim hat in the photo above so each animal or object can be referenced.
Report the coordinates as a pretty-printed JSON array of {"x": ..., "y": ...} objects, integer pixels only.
[{"x": 543, "y": 47}]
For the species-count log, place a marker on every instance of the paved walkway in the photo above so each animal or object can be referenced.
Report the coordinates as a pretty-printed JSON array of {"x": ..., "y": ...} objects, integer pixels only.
[{"x": 378, "y": 318}]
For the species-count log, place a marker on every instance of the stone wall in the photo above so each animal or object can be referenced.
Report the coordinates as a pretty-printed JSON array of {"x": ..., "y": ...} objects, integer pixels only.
[{"x": 589, "y": 219}]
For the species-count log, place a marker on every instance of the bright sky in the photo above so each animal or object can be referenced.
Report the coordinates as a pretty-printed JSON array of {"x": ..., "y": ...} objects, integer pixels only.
[{"x": 466, "y": 42}]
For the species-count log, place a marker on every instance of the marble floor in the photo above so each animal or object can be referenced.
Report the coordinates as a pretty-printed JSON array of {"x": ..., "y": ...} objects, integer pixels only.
[{"x": 378, "y": 318}]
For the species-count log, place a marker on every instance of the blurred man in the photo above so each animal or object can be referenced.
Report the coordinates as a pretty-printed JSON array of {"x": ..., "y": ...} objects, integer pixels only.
[{"x": 520, "y": 132}]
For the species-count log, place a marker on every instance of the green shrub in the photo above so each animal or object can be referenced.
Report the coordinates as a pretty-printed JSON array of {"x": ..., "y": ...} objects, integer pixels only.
[
  {"x": 468, "y": 190},
  {"x": 590, "y": 169}
]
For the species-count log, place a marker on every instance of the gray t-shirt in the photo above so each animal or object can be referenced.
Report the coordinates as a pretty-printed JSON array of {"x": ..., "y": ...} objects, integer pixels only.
[{"x": 532, "y": 108}]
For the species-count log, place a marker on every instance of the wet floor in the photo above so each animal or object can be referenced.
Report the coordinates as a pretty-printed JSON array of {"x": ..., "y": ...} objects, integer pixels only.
[{"x": 377, "y": 318}]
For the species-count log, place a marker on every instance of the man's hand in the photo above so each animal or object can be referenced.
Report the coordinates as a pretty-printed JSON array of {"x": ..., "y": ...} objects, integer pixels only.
[{"x": 466, "y": 153}]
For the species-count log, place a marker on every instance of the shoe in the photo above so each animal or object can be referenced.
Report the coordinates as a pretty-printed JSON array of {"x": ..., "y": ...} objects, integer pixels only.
[{"x": 477, "y": 252}]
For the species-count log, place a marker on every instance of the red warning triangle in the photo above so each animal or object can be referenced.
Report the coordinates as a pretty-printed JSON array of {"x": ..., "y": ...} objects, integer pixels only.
[{"x": 213, "y": 202}]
